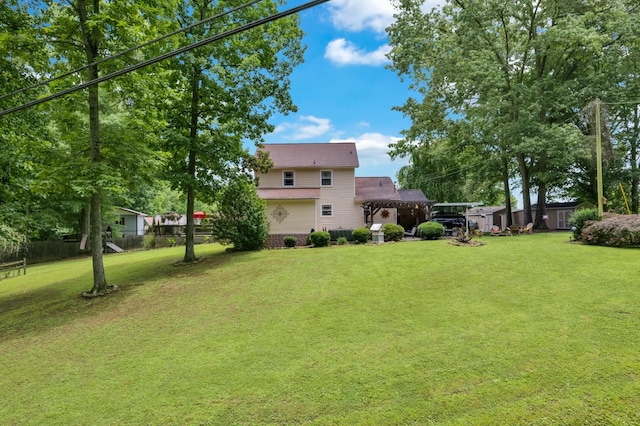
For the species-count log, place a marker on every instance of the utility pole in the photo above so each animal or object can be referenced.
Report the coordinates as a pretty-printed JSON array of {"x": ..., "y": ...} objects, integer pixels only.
[{"x": 599, "y": 159}]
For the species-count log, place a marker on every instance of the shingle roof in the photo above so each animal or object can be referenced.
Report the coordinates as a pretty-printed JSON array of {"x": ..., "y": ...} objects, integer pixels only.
[
  {"x": 376, "y": 188},
  {"x": 485, "y": 209},
  {"x": 288, "y": 193},
  {"x": 312, "y": 155},
  {"x": 563, "y": 205},
  {"x": 412, "y": 195}
]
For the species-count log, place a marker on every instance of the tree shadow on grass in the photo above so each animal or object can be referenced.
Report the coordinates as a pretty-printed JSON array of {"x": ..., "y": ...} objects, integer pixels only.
[{"x": 36, "y": 311}]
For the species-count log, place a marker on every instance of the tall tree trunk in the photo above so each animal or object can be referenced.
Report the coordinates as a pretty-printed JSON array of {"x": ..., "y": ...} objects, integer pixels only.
[
  {"x": 541, "y": 211},
  {"x": 633, "y": 159},
  {"x": 190, "y": 254},
  {"x": 526, "y": 187},
  {"x": 507, "y": 190},
  {"x": 85, "y": 220},
  {"x": 91, "y": 52}
]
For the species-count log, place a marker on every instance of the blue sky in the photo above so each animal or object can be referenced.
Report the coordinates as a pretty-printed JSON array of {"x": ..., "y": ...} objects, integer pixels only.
[{"x": 343, "y": 90}]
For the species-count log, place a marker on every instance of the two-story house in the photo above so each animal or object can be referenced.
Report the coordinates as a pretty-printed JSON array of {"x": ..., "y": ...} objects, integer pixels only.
[{"x": 312, "y": 186}]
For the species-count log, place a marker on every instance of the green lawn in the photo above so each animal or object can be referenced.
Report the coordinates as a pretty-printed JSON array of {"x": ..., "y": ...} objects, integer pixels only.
[{"x": 523, "y": 330}]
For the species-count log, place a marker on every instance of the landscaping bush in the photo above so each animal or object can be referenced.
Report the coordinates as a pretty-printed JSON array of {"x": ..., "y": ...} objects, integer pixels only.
[
  {"x": 241, "y": 217},
  {"x": 613, "y": 230},
  {"x": 579, "y": 219},
  {"x": 149, "y": 241},
  {"x": 430, "y": 230},
  {"x": 361, "y": 235},
  {"x": 290, "y": 241},
  {"x": 342, "y": 241},
  {"x": 320, "y": 239},
  {"x": 392, "y": 232}
]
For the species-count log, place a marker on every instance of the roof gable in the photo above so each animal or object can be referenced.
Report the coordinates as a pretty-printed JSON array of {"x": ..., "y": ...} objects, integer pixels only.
[
  {"x": 485, "y": 210},
  {"x": 312, "y": 155}
]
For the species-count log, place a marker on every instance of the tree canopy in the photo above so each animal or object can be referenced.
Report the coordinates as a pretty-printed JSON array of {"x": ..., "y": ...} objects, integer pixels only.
[
  {"x": 222, "y": 94},
  {"x": 511, "y": 79},
  {"x": 182, "y": 123}
]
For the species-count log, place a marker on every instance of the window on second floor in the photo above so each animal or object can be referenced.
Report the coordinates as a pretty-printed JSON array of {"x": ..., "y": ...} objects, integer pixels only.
[
  {"x": 288, "y": 178},
  {"x": 326, "y": 178}
]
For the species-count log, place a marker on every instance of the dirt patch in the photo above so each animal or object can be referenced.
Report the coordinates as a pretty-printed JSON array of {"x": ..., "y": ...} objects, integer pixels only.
[{"x": 472, "y": 243}]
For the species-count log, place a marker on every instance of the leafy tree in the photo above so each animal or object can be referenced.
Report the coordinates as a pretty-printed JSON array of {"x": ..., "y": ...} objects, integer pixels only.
[
  {"x": 223, "y": 93},
  {"x": 79, "y": 33},
  {"x": 11, "y": 241},
  {"x": 21, "y": 135},
  {"x": 517, "y": 73},
  {"x": 241, "y": 218}
]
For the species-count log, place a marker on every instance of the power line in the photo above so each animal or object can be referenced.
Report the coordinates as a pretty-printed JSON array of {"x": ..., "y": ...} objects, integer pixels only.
[
  {"x": 632, "y": 102},
  {"x": 168, "y": 55},
  {"x": 117, "y": 55}
]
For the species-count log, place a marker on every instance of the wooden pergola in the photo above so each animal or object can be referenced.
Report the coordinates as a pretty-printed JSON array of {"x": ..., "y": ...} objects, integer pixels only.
[{"x": 371, "y": 207}]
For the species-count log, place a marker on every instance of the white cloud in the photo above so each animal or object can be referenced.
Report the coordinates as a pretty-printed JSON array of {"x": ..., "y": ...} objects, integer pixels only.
[
  {"x": 373, "y": 154},
  {"x": 376, "y": 15},
  {"x": 307, "y": 127},
  {"x": 428, "y": 5},
  {"x": 357, "y": 15},
  {"x": 343, "y": 52}
]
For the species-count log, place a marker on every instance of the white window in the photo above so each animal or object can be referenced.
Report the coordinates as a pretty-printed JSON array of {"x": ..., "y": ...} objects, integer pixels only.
[
  {"x": 327, "y": 210},
  {"x": 563, "y": 219},
  {"x": 326, "y": 178},
  {"x": 288, "y": 179}
]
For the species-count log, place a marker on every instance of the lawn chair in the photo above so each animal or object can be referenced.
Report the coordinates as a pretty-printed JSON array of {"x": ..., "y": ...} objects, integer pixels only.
[
  {"x": 411, "y": 233},
  {"x": 495, "y": 231},
  {"x": 528, "y": 229}
]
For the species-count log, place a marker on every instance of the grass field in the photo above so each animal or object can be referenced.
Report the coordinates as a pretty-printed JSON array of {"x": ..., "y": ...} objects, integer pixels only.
[{"x": 523, "y": 330}]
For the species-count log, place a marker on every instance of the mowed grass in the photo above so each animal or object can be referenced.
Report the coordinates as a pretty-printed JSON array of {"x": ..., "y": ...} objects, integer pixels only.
[{"x": 523, "y": 330}]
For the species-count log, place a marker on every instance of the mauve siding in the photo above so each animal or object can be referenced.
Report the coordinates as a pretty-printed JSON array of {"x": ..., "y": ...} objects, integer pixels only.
[{"x": 300, "y": 218}]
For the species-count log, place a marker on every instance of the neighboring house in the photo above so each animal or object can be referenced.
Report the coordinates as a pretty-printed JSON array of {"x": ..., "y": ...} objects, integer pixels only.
[
  {"x": 557, "y": 214},
  {"x": 130, "y": 221},
  {"x": 313, "y": 187},
  {"x": 169, "y": 223}
]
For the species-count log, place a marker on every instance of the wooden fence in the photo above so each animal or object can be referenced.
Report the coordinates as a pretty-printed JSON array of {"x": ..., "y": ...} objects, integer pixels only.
[{"x": 47, "y": 251}]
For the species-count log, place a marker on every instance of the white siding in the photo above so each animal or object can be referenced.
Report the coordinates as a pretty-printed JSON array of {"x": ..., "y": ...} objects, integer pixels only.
[
  {"x": 303, "y": 178},
  {"x": 273, "y": 179},
  {"x": 347, "y": 214}
]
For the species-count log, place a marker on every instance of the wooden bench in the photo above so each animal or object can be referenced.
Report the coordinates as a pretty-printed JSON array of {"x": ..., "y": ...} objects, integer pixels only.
[{"x": 10, "y": 268}]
